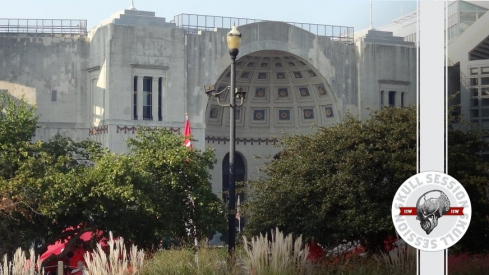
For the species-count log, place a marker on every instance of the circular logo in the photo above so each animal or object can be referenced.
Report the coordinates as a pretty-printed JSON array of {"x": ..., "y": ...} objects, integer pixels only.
[{"x": 431, "y": 211}]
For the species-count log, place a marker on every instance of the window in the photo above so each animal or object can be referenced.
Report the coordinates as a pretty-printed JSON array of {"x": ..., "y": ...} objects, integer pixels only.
[
  {"x": 135, "y": 98},
  {"x": 392, "y": 98},
  {"x": 402, "y": 100},
  {"x": 479, "y": 96},
  {"x": 147, "y": 97},
  {"x": 160, "y": 87},
  {"x": 474, "y": 92},
  {"x": 484, "y": 81},
  {"x": 54, "y": 95},
  {"x": 381, "y": 99},
  {"x": 474, "y": 71}
]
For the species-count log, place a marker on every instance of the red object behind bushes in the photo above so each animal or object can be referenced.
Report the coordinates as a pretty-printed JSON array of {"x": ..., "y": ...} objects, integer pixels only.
[{"x": 315, "y": 252}]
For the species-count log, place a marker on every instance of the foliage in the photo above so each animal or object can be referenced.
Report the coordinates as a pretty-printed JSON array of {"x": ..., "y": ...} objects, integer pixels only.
[
  {"x": 116, "y": 262},
  {"x": 206, "y": 260},
  {"x": 146, "y": 193},
  {"x": 20, "y": 264},
  {"x": 337, "y": 184},
  {"x": 45, "y": 195},
  {"x": 281, "y": 255},
  {"x": 213, "y": 261},
  {"x": 150, "y": 193},
  {"x": 400, "y": 260},
  {"x": 119, "y": 261},
  {"x": 467, "y": 166},
  {"x": 17, "y": 127}
]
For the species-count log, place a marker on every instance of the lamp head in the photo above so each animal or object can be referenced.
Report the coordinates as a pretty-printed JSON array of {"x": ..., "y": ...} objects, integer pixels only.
[{"x": 234, "y": 41}]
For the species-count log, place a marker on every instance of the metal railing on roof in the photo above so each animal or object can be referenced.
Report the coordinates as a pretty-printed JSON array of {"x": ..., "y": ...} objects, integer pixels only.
[
  {"x": 193, "y": 23},
  {"x": 43, "y": 26}
]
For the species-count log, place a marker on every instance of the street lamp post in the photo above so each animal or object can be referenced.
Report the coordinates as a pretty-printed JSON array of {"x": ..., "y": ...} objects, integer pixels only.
[{"x": 233, "y": 42}]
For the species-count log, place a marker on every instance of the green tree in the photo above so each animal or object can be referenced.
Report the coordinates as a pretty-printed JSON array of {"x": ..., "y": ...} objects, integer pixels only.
[
  {"x": 155, "y": 182},
  {"x": 467, "y": 166},
  {"x": 17, "y": 127},
  {"x": 148, "y": 194},
  {"x": 42, "y": 199},
  {"x": 338, "y": 184}
]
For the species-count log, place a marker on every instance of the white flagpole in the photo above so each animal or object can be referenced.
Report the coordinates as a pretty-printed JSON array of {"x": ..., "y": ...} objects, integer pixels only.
[{"x": 371, "y": 20}]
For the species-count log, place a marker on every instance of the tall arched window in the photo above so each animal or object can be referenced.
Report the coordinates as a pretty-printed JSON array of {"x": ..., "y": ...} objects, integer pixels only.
[
  {"x": 135, "y": 98},
  {"x": 147, "y": 98},
  {"x": 160, "y": 87}
]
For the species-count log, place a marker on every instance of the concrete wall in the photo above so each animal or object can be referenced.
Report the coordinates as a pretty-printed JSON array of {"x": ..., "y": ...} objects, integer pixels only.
[
  {"x": 94, "y": 78},
  {"x": 35, "y": 66},
  {"x": 385, "y": 67},
  {"x": 208, "y": 58}
]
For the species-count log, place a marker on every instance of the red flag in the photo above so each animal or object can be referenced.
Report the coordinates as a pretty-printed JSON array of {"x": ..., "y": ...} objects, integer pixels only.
[{"x": 187, "y": 133}]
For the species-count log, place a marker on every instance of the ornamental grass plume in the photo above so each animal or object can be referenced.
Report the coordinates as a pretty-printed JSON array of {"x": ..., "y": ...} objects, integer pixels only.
[
  {"x": 21, "y": 265},
  {"x": 281, "y": 255},
  {"x": 400, "y": 260},
  {"x": 116, "y": 262},
  {"x": 210, "y": 260}
]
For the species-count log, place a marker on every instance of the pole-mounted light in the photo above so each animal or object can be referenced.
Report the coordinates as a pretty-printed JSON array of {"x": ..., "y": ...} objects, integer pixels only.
[{"x": 234, "y": 41}]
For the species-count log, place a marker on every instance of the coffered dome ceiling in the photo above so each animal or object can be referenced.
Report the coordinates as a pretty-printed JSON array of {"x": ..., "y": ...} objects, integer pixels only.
[{"x": 284, "y": 94}]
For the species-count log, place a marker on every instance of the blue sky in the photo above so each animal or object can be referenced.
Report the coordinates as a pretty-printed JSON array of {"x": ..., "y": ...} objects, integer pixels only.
[{"x": 351, "y": 13}]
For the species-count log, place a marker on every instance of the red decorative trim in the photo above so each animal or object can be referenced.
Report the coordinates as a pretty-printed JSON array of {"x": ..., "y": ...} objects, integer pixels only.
[
  {"x": 224, "y": 140},
  {"x": 133, "y": 129},
  {"x": 98, "y": 130},
  {"x": 126, "y": 129}
]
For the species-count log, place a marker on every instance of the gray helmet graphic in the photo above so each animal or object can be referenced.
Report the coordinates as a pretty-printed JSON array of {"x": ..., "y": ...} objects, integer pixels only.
[{"x": 430, "y": 207}]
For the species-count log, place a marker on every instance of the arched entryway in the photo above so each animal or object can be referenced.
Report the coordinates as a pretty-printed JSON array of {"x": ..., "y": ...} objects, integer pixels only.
[{"x": 240, "y": 177}]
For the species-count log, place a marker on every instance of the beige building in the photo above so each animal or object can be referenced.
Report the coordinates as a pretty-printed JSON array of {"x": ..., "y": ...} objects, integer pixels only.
[
  {"x": 467, "y": 41},
  {"x": 137, "y": 69}
]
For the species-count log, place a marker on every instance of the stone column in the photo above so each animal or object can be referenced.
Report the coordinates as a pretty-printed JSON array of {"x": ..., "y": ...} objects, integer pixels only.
[
  {"x": 154, "y": 98},
  {"x": 382, "y": 98},
  {"x": 140, "y": 98}
]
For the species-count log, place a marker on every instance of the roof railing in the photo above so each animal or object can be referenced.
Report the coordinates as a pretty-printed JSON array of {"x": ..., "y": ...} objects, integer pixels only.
[
  {"x": 43, "y": 26},
  {"x": 193, "y": 23}
]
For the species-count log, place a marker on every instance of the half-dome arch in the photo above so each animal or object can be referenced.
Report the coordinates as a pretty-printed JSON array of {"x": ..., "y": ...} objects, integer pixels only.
[{"x": 284, "y": 94}]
